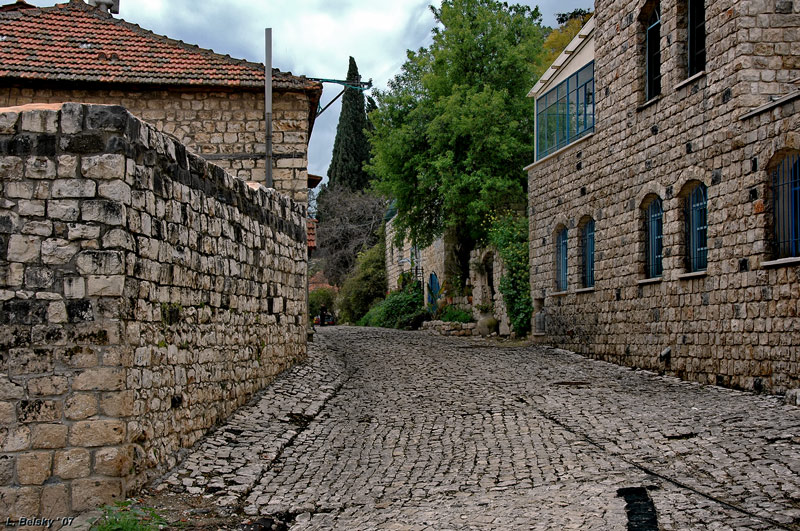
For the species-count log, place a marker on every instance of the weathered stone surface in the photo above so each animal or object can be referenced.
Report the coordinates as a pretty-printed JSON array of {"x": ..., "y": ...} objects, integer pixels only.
[
  {"x": 80, "y": 406},
  {"x": 100, "y": 263},
  {"x": 69, "y": 188},
  {"x": 90, "y": 493},
  {"x": 39, "y": 121},
  {"x": 56, "y": 251},
  {"x": 8, "y": 122},
  {"x": 48, "y": 436},
  {"x": 34, "y": 468},
  {"x": 39, "y": 410},
  {"x": 89, "y": 433},
  {"x": 103, "y": 167},
  {"x": 48, "y": 385},
  {"x": 71, "y": 464},
  {"x": 486, "y": 326},
  {"x": 103, "y": 211},
  {"x": 23, "y": 248},
  {"x": 114, "y": 462},
  {"x": 64, "y": 210},
  {"x": 117, "y": 190},
  {"x": 99, "y": 379},
  {"x": 105, "y": 286}
]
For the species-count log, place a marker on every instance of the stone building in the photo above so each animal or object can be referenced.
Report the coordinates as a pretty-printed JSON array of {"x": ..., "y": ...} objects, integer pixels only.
[
  {"x": 212, "y": 103},
  {"x": 664, "y": 204}
]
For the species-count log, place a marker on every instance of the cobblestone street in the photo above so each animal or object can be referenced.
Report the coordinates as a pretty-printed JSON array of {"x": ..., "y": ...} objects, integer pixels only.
[{"x": 384, "y": 429}]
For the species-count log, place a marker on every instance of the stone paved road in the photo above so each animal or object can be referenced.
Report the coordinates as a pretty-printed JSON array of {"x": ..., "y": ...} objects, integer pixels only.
[{"x": 404, "y": 430}]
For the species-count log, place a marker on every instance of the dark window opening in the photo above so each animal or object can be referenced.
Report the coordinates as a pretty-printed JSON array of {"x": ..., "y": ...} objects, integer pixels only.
[
  {"x": 587, "y": 254},
  {"x": 654, "y": 242},
  {"x": 786, "y": 206},
  {"x": 697, "y": 37},
  {"x": 561, "y": 260},
  {"x": 697, "y": 229},
  {"x": 653, "y": 53}
]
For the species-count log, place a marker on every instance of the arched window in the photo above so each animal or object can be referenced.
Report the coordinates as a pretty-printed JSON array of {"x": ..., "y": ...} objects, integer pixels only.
[
  {"x": 696, "y": 216},
  {"x": 587, "y": 254},
  {"x": 561, "y": 260},
  {"x": 653, "y": 52},
  {"x": 786, "y": 206},
  {"x": 654, "y": 238}
]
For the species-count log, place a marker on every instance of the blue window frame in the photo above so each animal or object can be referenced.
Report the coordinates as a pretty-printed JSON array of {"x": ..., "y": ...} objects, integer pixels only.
[
  {"x": 786, "y": 206},
  {"x": 653, "y": 53},
  {"x": 565, "y": 113},
  {"x": 654, "y": 243},
  {"x": 561, "y": 260},
  {"x": 697, "y": 229},
  {"x": 587, "y": 254}
]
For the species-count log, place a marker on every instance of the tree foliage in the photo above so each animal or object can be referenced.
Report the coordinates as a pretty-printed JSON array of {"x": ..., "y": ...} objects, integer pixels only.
[
  {"x": 348, "y": 225},
  {"x": 559, "y": 38},
  {"x": 365, "y": 286},
  {"x": 454, "y": 129},
  {"x": 350, "y": 148}
]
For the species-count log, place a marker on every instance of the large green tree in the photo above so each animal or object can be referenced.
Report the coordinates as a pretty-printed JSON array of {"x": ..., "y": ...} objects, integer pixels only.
[
  {"x": 350, "y": 148},
  {"x": 454, "y": 129}
]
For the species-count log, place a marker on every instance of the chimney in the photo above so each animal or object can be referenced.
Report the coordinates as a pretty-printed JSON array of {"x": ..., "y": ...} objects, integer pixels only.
[{"x": 109, "y": 6}]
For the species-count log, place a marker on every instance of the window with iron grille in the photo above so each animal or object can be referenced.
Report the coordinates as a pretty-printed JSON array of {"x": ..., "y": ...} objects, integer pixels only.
[
  {"x": 697, "y": 229},
  {"x": 697, "y": 37},
  {"x": 587, "y": 254},
  {"x": 565, "y": 113},
  {"x": 786, "y": 206},
  {"x": 561, "y": 260},
  {"x": 654, "y": 241},
  {"x": 653, "y": 53}
]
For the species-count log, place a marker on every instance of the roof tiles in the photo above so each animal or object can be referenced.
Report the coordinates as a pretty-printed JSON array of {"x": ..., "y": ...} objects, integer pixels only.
[{"x": 79, "y": 43}]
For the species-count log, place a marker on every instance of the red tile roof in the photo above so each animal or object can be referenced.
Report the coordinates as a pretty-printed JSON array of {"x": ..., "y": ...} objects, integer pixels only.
[{"x": 76, "y": 42}]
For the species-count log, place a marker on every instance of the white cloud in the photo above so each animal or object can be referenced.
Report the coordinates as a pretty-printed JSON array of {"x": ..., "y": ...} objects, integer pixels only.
[{"x": 310, "y": 37}]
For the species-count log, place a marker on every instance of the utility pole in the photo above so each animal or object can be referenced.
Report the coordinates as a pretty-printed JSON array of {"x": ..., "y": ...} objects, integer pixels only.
[{"x": 268, "y": 104}]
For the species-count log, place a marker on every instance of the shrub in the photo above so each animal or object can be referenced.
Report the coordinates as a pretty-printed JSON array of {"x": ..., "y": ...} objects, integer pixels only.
[
  {"x": 365, "y": 285},
  {"x": 321, "y": 297},
  {"x": 509, "y": 234},
  {"x": 401, "y": 309},
  {"x": 455, "y": 315},
  {"x": 126, "y": 516}
]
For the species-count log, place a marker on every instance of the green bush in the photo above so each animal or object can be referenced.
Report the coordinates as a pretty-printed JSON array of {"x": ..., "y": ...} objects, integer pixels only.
[
  {"x": 365, "y": 286},
  {"x": 401, "y": 309},
  {"x": 321, "y": 297},
  {"x": 509, "y": 234},
  {"x": 455, "y": 315}
]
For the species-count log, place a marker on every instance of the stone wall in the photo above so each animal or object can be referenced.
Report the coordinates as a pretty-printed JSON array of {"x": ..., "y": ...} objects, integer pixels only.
[
  {"x": 144, "y": 295},
  {"x": 735, "y": 324},
  {"x": 225, "y": 127}
]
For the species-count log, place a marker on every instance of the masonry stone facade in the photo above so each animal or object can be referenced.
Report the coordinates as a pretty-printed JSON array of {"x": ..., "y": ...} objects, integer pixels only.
[
  {"x": 225, "y": 127},
  {"x": 144, "y": 295},
  {"x": 733, "y": 323}
]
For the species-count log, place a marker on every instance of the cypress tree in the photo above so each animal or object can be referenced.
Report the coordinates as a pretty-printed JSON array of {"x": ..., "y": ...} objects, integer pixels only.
[{"x": 350, "y": 148}]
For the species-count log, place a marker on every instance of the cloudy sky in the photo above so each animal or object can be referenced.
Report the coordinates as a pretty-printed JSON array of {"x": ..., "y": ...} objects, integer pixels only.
[{"x": 310, "y": 37}]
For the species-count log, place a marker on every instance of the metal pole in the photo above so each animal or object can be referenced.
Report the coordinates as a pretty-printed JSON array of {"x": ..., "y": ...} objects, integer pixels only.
[{"x": 268, "y": 104}]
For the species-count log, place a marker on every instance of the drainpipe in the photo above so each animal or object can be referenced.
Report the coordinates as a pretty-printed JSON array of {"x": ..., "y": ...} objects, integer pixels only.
[{"x": 268, "y": 104}]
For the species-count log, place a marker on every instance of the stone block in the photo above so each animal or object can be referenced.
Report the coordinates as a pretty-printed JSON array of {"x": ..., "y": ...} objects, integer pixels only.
[
  {"x": 117, "y": 404},
  {"x": 8, "y": 413},
  {"x": 9, "y": 222},
  {"x": 70, "y": 188},
  {"x": 80, "y": 406},
  {"x": 64, "y": 210},
  {"x": 23, "y": 248},
  {"x": 104, "y": 211},
  {"x": 71, "y": 118},
  {"x": 10, "y": 390},
  {"x": 48, "y": 435},
  {"x": 55, "y": 498},
  {"x": 74, "y": 287},
  {"x": 100, "y": 263},
  {"x": 107, "y": 166},
  {"x": 114, "y": 462},
  {"x": 116, "y": 190},
  {"x": 118, "y": 238},
  {"x": 67, "y": 166},
  {"x": 28, "y": 207},
  {"x": 105, "y": 286},
  {"x": 82, "y": 231},
  {"x": 8, "y": 122},
  {"x": 39, "y": 121},
  {"x": 48, "y": 385},
  {"x": 39, "y": 410},
  {"x": 57, "y": 312},
  {"x": 91, "y": 492},
  {"x": 56, "y": 251},
  {"x": 39, "y": 277},
  {"x": 10, "y": 168},
  {"x": 33, "y": 468},
  {"x": 7, "y": 466},
  {"x": 15, "y": 439},
  {"x": 40, "y": 168},
  {"x": 19, "y": 501},
  {"x": 19, "y": 190},
  {"x": 38, "y": 228},
  {"x": 100, "y": 379},
  {"x": 72, "y": 464},
  {"x": 90, "y": 433}
]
